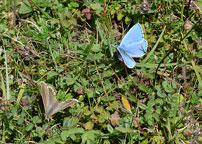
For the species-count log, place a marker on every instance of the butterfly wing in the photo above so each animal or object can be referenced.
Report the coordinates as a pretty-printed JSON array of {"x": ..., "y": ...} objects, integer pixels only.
[
  {"x": 132, "y": 45},
  {"x": 50, "y": 102},
  {"x": 136, "y": 49},
  {"x": 135, "y": 34},
  {"x": 128, "y": 60},
  {"x": 45, "y": 93},
  {"x": 61, "y": 106}
]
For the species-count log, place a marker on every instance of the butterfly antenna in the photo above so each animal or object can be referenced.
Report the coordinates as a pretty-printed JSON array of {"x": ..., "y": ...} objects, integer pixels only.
[
  {"x": 115, "y": 46},
  {"x": 143, "y": 49}
]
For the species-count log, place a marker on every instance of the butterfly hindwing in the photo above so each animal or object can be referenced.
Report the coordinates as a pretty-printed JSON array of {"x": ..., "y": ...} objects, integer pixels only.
[
  {"x": 62, "y": 105},
  {"x": 136, "y": 49},
  {"x": 129, "y": 61}
]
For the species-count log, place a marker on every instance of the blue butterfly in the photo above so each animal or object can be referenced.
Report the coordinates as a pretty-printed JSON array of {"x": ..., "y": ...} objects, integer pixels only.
[{"x": 132, "y": 45}]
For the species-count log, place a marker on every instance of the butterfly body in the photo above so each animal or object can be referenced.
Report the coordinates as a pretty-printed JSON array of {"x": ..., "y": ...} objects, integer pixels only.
[
  {"x": 132, "y": 45},
  {"x": 51, "y": 105}
]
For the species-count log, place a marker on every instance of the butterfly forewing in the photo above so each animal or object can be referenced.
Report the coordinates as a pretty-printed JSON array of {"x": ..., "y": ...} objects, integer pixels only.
[
  {"x": 44, "y": 93},
  {"x": 135, "y": 34},
  {"x": 52, "y": 101}
]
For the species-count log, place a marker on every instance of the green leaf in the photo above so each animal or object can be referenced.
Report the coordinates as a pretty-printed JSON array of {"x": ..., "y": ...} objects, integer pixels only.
[
  {"x": 125, "y": 130},
  {"x": 108, "y": 73},
  {"x": 70, "y": 122},
  {"x": 86, "y": 111},
  {"x": 110, "y": 128},
  {"x": 88, "y": 125},
  {"x": 156, "y": 116},
  {"x": 93, "y": 6},
  {"x": 143, "y": 106},
  {"x": 70, "y": 79},
  {"x": 90, "y": 93},
  {"x": 54, "y": 21},
  {"x": 20, "y": 121},
  {"x": 167, "y": 87},
  {"x": 162, "y": 95},
  {"x": 25, "y": 8},
  {"x": 159, "y": 101},
  {"x": 58, "y": 141},
  {"x": 127, "y": 19},
  {"x": 93, "y": 57},
  {"x": 74, "y": 4},
  {"x": 29, "y": 127},
  {"x": 66, "y": 133},
  {"x": 89, "y": 136},
  {"x": 36, "y": 120},
  {"x": 96, "y": 48},
  {"x": 51, "y": 74},
  {"x": 120, "y": 16},
  {"x": 143, "y": 87},
  {"x": 73, "y": 21}
]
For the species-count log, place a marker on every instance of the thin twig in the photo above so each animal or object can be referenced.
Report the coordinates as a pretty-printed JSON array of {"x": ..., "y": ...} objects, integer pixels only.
[
  {"x": 32, "y": 24},
  {"x": 14, "y": 39}
]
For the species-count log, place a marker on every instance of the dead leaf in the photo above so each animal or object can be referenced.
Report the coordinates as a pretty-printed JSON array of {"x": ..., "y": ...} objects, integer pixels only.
[{"x": 126, "y": 103}]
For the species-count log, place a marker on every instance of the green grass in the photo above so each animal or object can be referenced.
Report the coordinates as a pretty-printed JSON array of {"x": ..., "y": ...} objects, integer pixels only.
[{"x": 55, "y": 41}]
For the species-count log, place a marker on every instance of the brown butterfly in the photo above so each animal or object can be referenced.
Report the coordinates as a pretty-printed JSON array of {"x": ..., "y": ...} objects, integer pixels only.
[{"x": 51, "y": 105}]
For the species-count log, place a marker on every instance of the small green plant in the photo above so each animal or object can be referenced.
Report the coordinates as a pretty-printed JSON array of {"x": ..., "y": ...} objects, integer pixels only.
[{"x": 70, "y": 45}]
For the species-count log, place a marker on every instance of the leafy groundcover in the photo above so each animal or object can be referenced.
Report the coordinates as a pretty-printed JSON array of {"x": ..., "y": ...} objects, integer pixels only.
[{"x": 71, "y": 46}]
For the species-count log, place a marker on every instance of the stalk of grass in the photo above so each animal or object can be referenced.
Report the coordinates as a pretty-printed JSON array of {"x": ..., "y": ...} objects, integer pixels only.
[
  {"x": 197, "y": 72},
  {"x": 155, "y": 65},
  {"x": 154, "y": 48},
  {"x": 194, "y": 66},
  {"x": 182, "y": 10},
  {"x": 7, "y": 78},
  {"x": 56, "y": 67},
  {"x": 2, "y": 84},
  {"x": 43, "y": 12}
]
